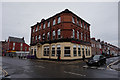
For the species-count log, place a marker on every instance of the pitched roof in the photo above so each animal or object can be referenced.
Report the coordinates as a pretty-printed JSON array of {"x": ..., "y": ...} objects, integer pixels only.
[{"x": 15, "y": 39}]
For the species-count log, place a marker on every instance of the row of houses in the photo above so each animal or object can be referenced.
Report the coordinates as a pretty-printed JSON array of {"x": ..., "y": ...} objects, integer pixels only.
[{"x": 104, "y": 48}]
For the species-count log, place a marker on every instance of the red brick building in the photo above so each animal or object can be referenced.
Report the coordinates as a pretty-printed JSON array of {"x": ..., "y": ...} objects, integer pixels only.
[
  {"x": 96, "y": 48},
  {"x": 17, "y": 46},
  {"x": 65, "y": 35},
  {"x": 3, "y": 47}
]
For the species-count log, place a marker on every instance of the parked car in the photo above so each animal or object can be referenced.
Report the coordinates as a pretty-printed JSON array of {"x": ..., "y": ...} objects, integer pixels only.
[{"x": 96, "y": 60}]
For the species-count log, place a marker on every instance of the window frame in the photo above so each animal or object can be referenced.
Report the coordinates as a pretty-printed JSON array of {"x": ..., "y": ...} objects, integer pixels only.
[
  {"x": 53, "y": 50},
  {"x": 43, "y": 25},
  {"x": 67, "y": 55},
  {"x": 59, "y": 20},
  {"x": 48, "y": 25},
  {"x": 59, "y": 33},
  {"x": 53, "y": 35},
  {"x": 54, "y": 21},
  {"x": 78, "y": 35},
  {"x": 73, "y": 20},
  {"x": 74, "y": 50}
]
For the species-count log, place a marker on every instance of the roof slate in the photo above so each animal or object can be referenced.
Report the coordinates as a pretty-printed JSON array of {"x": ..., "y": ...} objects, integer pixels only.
[{"x": 15, "y": 39}]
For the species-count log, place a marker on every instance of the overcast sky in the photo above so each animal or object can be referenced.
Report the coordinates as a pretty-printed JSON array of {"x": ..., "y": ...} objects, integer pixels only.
[{"x": 17, "y": 18}]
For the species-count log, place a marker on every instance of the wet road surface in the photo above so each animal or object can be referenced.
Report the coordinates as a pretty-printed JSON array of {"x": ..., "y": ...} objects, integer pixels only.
[{"x": 26, "y": 68}]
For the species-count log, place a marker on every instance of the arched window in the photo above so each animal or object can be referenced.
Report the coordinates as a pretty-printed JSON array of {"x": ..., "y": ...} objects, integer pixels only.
[
  {"x": 39, "y": 26},
  {"x": 54, "y": 22},
  {"x": 33, "y": 29},
  {"x": 81, "y": 24},
  {"x": 73, "y": 33},
  {"x": 73, "y": 19},
  {"x": 74, "y": 51},
  {"x": 48, "y": 23},
  {"x": 77, "y": 34},
  {"x": 81, "y": 36},
  {"x": 36, "y": 37},
  {"x": 59, "y": 19},
  {"x": 59, "y": 32},
  {"x": 53, "y": 35},
  {"x": 36, "y": 28},
  {"x": 44, "y": 26},
  {"x": 48, "y": 36},
  {"x": 79, "y": 50},
  {"x": 39, "y": 37}
]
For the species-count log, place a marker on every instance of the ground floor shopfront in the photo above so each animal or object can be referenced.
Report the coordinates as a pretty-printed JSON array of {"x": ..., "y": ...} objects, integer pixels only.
[
  {"x": 17, "y": 53},
  {"x": 61, "y": 50}
]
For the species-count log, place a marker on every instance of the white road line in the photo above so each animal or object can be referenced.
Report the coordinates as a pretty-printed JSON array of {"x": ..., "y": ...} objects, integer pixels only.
[
  {"x": 41, "y": 66},
  {"x": 74, "y": 73}
]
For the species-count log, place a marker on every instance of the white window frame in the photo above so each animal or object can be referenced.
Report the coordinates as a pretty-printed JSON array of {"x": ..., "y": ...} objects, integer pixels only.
[{"x": 74, "y": 50}]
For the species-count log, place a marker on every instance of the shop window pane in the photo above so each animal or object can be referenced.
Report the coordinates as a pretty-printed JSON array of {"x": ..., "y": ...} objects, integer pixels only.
[{"x": 66, "y": 51}]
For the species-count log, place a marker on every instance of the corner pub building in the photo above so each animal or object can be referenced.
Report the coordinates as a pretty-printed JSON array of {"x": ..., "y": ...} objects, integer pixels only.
[{"x": 64, "y": 36}]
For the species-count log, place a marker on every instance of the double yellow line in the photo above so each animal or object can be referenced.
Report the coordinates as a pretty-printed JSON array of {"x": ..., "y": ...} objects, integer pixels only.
[
  {"x": 112, "y": 64},
  {"x": 3, "y": 71}
]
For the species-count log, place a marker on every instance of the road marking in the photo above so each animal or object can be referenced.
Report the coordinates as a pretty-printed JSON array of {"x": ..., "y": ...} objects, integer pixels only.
[
  {"x": 6, "y": 73},
  {"x": 74, "y": 73},
  {"x": 41, "y": 66},
  {"x": 85, "y": 66},
  {"x": 101, "y": 68},
  {"x": 111, "y": 64}
]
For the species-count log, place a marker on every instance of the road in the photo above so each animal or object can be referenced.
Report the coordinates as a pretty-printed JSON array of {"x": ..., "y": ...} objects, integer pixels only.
[{"x": 26, "y": 68}]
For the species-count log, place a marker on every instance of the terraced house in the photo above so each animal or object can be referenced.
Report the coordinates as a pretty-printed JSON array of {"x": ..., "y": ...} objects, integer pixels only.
[{"x": 63, "y": 36}]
